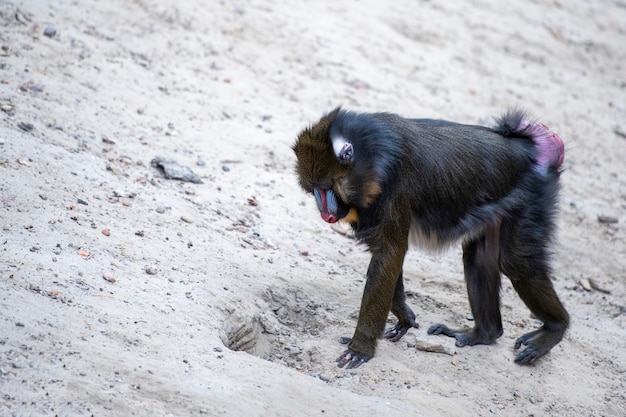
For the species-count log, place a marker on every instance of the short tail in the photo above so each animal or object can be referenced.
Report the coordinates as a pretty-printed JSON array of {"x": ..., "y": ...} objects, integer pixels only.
[{"x": 549, "y": 147}]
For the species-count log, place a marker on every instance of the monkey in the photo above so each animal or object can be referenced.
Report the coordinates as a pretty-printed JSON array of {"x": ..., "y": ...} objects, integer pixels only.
[{"x": 430, "y": 183}]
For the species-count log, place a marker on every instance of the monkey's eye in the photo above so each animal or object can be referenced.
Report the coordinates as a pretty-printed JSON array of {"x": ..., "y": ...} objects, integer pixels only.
[
  {"x": 324, "y": 185},
  {"x": 339, "y": 183}
]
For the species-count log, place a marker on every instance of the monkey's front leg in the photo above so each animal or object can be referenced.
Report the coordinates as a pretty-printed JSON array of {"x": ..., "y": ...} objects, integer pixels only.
[{"x": 382, "y": 275}]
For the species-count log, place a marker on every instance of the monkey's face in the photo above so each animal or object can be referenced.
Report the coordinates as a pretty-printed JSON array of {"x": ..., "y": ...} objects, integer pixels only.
[{"x": 323, "y": 172}]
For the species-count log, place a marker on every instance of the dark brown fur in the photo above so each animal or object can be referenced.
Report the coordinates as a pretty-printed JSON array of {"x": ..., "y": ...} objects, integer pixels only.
[{"x": 436, "y": 182}]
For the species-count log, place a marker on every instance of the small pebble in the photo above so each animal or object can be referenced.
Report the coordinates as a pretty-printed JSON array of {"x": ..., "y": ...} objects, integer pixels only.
[
  {"x": 110, "y": 278},
  {"x": 49, "y": 31},
  {"x": 186, "y": 219},
  {"x": 19, "y": 363},
  {"x": 282, "y": 312},
  {"x": 123, "y": 193},
  {"x": 225, "y": 168},
  {"x": 26, "y": 127},
  {"x": 428, "y": 346},
  {"x": 607, "y": 219},
  {"x": 324, "y": 377},
  {"x": 106, "y": 232},
  {"x": 586, "y": 284},
  {"x": 161, "y": 209},
  {"x": 151, "y": 270}
]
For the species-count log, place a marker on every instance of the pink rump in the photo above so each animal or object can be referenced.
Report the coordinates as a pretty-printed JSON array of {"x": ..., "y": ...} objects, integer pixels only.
[{"x": 550, "y": 148}]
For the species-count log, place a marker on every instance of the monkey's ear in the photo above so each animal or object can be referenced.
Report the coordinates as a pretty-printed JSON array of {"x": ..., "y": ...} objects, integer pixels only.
[
  {"x": 342, "y": 148},
  {"x": 346, "y": 153}
]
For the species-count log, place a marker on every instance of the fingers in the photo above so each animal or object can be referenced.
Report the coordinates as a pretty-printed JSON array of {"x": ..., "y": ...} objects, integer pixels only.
[{"x": 352, "y": 360}]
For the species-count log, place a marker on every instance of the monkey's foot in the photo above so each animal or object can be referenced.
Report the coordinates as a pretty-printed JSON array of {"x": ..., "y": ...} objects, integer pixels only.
[
  {"x": 352, "y": 359},
  {"x": 538, "y": 342},
  {"x": 469, "y": 337},
  {"x": 396, "y": 332}
]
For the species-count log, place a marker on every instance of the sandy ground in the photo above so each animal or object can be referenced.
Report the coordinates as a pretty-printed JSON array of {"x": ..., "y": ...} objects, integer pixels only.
[{"x": 125, "y": 293}]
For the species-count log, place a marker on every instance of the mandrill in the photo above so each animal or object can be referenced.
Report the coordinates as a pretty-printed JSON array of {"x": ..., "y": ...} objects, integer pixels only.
[{"x": 431, "y": 183}]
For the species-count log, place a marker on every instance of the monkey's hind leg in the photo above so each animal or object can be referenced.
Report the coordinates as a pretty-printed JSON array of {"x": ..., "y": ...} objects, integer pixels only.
[
  {"x": 400, "y": 309},
  {"x": 524, "y": 260},
  {"x": 482, "y": 277}
]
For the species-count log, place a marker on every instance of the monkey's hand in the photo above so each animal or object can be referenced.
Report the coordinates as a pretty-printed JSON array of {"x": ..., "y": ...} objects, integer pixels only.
[
  {"x": 396, "y": 332},
  {"x": 352, "y": 359}
]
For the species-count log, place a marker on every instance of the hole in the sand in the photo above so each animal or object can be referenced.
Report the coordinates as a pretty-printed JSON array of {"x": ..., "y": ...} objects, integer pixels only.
[
  {"x": 247, "y": 335},
  {"x": 279, "y": 327}
]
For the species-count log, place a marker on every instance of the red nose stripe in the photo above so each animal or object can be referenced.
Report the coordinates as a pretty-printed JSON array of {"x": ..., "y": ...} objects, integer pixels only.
[{"x": 322, "y": 205}]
